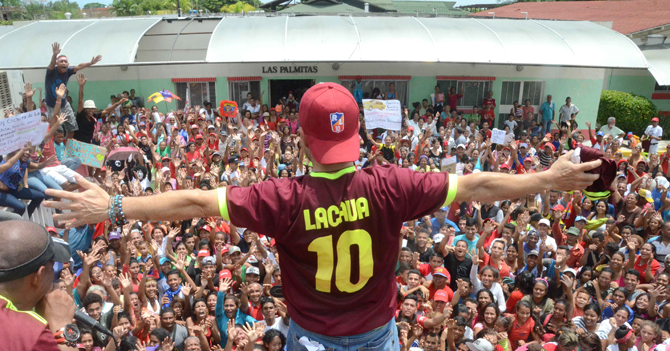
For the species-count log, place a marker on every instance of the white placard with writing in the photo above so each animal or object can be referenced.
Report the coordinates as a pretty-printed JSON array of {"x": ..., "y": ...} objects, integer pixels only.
[
  {"x": 498, "y": 136},
  {"x": 382, "y": 114},
  {"x": 16, "y": 131}
]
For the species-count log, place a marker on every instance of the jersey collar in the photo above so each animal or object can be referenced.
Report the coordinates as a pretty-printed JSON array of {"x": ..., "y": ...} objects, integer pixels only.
[{"x": 333, "y": 176}]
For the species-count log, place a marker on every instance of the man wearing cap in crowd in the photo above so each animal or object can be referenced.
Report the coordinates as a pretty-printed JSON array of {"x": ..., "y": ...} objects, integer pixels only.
[
  {"x": 440, "y": 219},
  {"x": 543, "y": 229},
  {"x": 87, "y": 115},
  {"x": 325, "y": 305},
  {"x": 33, "y": 315},
  {"x": 655, "y": 134},
  {"x": 571, "y": 240},
  {"x": 232, "y": 174}
]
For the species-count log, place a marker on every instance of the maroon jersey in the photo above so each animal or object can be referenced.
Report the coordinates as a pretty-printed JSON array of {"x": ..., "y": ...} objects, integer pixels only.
[{"x": 338, "y": 235}]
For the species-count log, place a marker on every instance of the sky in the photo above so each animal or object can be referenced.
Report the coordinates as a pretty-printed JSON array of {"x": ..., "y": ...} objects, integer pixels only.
[{"x": 458, "y": 2}]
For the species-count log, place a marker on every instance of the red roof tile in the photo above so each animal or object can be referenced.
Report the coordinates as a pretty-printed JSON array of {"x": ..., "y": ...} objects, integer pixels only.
[{"x": 628, "y": 16}]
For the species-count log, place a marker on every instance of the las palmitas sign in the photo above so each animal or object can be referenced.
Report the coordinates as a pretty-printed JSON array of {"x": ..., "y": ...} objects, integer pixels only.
[{"x": 290, "y": 69}]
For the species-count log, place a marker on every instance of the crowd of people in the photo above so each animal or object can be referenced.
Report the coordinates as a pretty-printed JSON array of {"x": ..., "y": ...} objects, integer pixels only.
[{"x": 554, "y": 270}]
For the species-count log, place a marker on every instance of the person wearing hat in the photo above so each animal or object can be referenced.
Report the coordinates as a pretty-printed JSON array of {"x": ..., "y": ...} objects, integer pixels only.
[
  {"x": 323, "y": 301},
  {"x": 655, "y": 134},
  {"x": 34, "y": 315},
  {"x": 571, "y": 240},
  {"x": 87, "y": 115},
  {"x": 479, "y": 345}
]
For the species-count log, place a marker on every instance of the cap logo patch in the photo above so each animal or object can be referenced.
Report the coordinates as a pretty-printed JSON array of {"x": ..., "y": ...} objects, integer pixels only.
[{"x": 337, "y": 122}]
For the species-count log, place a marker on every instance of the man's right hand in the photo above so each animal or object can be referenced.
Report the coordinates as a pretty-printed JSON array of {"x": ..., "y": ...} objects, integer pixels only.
[
  {"x": 57, "y": 307},
  {"x": 55, "y": 47}
]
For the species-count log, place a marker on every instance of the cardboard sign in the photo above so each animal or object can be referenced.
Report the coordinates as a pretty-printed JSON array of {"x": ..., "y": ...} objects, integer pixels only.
[
  {"x": 498, "y": 136},
  {"x": 91, "y": 155},
  {"x": 228, "y": 108},
  {"x": 18, "y": 130},
  {"x": 449, "y": 165},
  {"x": 382, "y": 114}
]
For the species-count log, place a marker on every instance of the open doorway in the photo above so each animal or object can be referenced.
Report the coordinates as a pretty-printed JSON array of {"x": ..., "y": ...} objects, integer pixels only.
[{"x": 280, "y": 88}]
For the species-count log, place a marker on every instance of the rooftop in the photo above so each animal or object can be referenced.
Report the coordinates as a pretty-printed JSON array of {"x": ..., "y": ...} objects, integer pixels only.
[{"x": 628, "y": 16}]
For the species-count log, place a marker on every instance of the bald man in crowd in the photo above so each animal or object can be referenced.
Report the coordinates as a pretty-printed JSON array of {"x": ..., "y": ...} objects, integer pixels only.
[{"x": 27, "y": 256}]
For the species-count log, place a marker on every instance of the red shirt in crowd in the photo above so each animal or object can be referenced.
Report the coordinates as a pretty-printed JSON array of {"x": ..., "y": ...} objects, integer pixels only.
[{"x": 338, "y": 239}]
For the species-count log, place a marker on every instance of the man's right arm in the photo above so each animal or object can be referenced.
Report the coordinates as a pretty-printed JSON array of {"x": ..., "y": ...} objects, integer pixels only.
[{"x": 56, "y": 50}]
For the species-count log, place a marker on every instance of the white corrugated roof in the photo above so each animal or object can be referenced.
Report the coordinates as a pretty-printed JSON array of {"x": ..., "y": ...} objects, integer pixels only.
[
  {"x": 332, "y": 39},
  {"x": 115, "y": 39},
  {"x": 658, "y": 57},
  {"x": 410, "y": 39}
]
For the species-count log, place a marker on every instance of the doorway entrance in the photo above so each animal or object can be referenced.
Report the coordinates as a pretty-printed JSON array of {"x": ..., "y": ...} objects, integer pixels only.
[{"x": 280, "y": 87}]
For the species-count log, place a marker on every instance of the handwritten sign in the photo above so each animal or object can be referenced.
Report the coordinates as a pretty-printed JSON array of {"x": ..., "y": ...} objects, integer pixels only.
[
  {"x": 16, "y": 131},
  {"x": 92, "y": 155},
  {"x": 449, "y": 165},
  {"x": 382, "y": 114},
  {"x": 498, "y": 136}
]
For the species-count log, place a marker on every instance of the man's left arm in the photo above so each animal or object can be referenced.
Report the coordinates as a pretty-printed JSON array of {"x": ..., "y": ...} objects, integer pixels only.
[
  {"x": 81, "y": 66},
  {"x": 490, "y": 186}
]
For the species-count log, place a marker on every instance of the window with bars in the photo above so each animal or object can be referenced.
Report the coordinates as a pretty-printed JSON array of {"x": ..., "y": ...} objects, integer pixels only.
[
  {"x": 401, "y": 88},
  {"x": 662, "y": 88},
  {"x": 198, "y": 92},
  {"x": 5, "y": 93},
  {"x": 519, "y": 92},
  {"x": 238, "y": 91},
  {"x": 474, "y": 91}
]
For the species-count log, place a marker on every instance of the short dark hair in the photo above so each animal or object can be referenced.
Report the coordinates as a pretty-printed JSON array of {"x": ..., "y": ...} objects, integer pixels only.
[
  {"x": 633, "y": 272},
  {"x": 160, "y": 334},
  {"x": 172, "y": 272},
  {"x": 91, "y": 298},
  {"x": 166, "y": 310},
  {"x": 414, "y": 271},
  {"x": 411, "y": 297},
  {"x": 266, "y": 299}
]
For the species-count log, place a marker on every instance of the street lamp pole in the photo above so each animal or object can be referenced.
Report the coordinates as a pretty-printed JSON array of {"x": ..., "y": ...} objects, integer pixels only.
[{"x": 178, "y": 9}]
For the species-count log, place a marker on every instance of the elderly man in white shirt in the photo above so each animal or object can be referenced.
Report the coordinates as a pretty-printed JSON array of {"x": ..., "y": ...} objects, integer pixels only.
[
  {"x": 655, "y": 133},
  {"x": 611, "y": 129}
]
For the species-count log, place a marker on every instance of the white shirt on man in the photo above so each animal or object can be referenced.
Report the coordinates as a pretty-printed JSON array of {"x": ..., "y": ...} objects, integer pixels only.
[{"x": 566, "y": 112}]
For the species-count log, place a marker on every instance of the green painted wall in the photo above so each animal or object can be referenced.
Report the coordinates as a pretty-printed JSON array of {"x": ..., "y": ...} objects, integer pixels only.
[
  {"x": 100, "y": 91},
  {"x": 221, "y": 91},
  {"x": 585, "y": 93},
  {"x": 640, "y": 85}
]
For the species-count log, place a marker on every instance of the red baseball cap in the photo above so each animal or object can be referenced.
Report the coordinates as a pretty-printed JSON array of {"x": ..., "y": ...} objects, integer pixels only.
[
  {"x": 558, "y": 207},
  {"x": 441, "y": 295},
  {"x": 52, "y": 230},
  {"x": 329, "y": 118},
  {"x": 225, "y": 274},
  {"x": 440, "y": 271},
  {"x": 224, "y": 250},
  {"x": 206, "y": 228},
  {"x": 551, "y": 146},
  {"x": 203, "y": 253},
  {"x": 654, "y": 119}
]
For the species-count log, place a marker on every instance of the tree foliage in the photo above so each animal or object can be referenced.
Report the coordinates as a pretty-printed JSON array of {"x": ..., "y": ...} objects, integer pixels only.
[
  {"x": 48, "y": 10},
  {"x": 93, "y": 5},
  {"x": 238, "y": 7},
  {"x": 633, "y": 112}
]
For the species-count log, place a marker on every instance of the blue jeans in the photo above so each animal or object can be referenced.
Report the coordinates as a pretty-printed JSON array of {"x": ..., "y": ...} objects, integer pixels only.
[
  {"x": 38, "y": 181},
  {"x": 384, "y": 338},
  {"x": 546, "y": 126},
  {"x": 12, "y": 199},
  {"x": 71, "y": 163}
]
